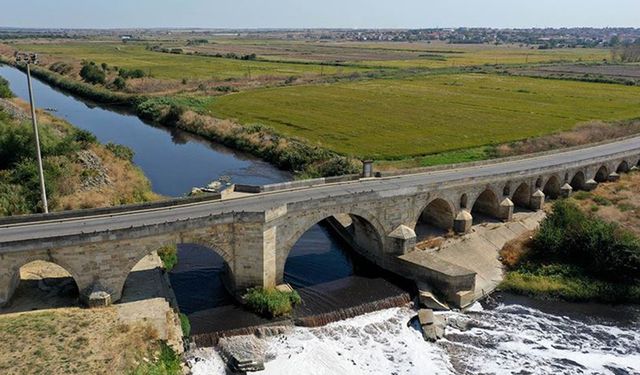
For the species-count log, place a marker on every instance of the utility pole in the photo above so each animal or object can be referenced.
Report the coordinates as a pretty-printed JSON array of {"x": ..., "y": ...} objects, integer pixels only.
[{"x": 43, "y": 191}]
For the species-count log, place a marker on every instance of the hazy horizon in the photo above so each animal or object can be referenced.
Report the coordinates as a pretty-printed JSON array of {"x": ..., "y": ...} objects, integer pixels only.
[{"x": 292, "y": 14}]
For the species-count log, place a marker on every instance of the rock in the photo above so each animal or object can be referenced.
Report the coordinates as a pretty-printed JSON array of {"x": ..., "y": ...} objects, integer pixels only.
[
  {"x": 425, "y": 317},
  {"x": 432, "y": 326},
  {"x": 96, "y": 296},
  {"x": 243, "y": 353},
  {"x": 99, "y": 299},
  {"x": 285, "y": 288}
]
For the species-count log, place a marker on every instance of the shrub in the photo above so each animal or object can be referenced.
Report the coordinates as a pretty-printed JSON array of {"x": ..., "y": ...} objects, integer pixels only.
[
  {"x": 120, "y": 151},
  {"x": 84, "y": 136},
  {"x": 92, "y": 74},
  {"x": 5, "y": 91},
  {"x": 271, "y": 302},
  {"x": 602, "y": 249},
  {"x": 119, "y": 83},
  {"x": 135, "y": 73},
  {"x": 185, "y": 324},
  {"x": 61, "y": 68},
  {"x": 169, "y": 256}
]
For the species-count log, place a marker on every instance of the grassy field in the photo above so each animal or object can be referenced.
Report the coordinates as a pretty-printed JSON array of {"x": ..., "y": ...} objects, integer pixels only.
[
  {"x": 171, "y": 66},
  {"x": 394, "y": 118}
]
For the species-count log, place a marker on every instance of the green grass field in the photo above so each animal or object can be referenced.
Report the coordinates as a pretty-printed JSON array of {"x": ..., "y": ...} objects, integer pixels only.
[
  {"x": 172, "y": 66},
  {"x": 397, "y": 118}
]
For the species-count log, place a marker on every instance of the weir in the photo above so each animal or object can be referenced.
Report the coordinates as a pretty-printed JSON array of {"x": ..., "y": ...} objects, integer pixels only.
[{"x": 254, "y": 231}]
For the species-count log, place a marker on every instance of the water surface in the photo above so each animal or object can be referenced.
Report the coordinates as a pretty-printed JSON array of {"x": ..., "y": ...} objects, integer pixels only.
[{"x": 173, "y": 160}]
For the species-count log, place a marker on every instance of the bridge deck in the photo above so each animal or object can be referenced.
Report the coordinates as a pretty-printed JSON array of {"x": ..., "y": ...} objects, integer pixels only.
[{"x": 265, "y": 201}]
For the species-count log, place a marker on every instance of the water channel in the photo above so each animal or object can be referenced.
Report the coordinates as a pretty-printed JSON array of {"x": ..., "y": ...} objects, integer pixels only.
[{"x": 517, "y": 335}]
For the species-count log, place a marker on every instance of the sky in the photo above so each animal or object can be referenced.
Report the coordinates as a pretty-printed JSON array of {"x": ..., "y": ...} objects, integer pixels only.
[{"x": 317, "y": 13}]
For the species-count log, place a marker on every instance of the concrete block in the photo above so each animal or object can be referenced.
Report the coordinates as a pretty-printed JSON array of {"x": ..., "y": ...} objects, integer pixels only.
[
  {"x": 505, "y": 210},
  {"x": 537, "y": 200},
  {"x": 566, "y": 190},
  {"x": 591, "y": 184},
  {"x": 463, "y": 222},
  {"x": 613, "y": 177}
]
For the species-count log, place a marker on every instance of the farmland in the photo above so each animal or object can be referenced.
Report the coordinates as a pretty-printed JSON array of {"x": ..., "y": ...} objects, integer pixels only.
[
  {"x": 393, "y": 118},
  {"x": 409, "y": 103},
  {"x": 172, "y": 66}
]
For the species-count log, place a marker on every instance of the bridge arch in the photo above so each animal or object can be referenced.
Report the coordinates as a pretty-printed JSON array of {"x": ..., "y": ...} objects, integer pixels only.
[
  {"x": 602, "y": 175},
  {"x": 438, "y": 214},
  {"x": 135, "y": 258},
  {"x": 578, "y": 182},
  {"x": 522, "y": 196},
  {"x": 53, "y": 268},
  {"x": 623, "y": 167},
  {"x": 486, "y": 206},
  {"x": 552, "y": 187},
  {"x": 362, "y": 226}
]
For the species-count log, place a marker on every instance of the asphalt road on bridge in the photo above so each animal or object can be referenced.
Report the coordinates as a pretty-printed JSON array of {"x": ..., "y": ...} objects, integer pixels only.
[{"x": 260, "y": 202}]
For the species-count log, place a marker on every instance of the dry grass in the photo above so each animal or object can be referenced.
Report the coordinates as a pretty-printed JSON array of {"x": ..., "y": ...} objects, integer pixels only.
[
  {"x": 516, "y": 250},
  {"x": 616, "y": 201},
  {"x": 73, "y": 340},
  {"x": 591, "y": 132}
]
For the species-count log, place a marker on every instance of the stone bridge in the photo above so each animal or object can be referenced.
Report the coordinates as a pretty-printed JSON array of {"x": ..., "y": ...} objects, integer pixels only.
[{"x": 254, "y": 228}]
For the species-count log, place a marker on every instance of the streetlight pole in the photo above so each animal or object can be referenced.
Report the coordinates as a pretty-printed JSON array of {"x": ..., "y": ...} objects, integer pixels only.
[{"x": 43, "y": 190}]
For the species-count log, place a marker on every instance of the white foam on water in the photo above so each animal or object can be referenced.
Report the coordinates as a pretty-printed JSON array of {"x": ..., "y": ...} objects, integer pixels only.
[{"x": 505, "y": 340}]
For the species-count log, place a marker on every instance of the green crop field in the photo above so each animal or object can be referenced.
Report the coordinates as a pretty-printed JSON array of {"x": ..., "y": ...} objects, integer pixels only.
[
  {"x": 173, "y": 66},
  {"x": 396, "y": 118}
]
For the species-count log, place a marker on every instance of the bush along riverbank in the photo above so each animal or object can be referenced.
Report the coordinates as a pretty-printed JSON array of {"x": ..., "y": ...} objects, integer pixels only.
[
  {"x": 575, "y": 256},
  {"x": 287, "y": 153},
  {"x": 79, "y": 172}
]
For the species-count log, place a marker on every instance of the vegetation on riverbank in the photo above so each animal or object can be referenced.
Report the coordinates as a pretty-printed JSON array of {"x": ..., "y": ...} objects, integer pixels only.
[
  {"x": 73, "y": 340},
  {"x": 169, "y": 256},
  {"x": 575, "y": 256},
  {"x": 79, "y": 172},
  {"x": 271, "y": 302}
]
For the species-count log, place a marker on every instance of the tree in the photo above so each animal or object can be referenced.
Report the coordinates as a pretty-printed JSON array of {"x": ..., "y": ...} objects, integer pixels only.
[{"x": 92, "y": 74}]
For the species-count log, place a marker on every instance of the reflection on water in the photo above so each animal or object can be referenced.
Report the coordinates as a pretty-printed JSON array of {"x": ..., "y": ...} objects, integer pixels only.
[{"x": 174, "y": 161}]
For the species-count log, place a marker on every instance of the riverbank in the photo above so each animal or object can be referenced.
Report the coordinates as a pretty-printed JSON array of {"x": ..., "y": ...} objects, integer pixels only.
[
  {"x": 79, "y": 172},
  {"x": 287, "y": 153},
  {"x": 588, "y": 248}
]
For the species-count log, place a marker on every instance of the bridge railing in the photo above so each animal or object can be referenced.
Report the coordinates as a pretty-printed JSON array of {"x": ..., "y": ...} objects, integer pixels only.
[{"x": 19, "y": 219}]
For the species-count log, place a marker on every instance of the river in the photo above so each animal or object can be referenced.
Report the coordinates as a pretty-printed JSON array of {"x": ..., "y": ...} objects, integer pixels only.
[
  {"x": 324, "y": 270},
  {"x": 518, "y": 335}
]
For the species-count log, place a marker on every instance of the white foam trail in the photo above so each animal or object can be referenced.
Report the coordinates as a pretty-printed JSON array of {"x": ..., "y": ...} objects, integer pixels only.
[{"x": 505, "y": 340}]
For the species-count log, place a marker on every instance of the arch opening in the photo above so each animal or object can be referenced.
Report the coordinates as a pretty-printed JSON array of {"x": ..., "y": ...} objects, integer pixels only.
[
  {"x": 552, "y": 188},
  {"x": 623, "y": 167},
  {"x": 330, "y": 250},
  {"x": 201, "y": 278},
  {"x": 602, "y": 175},
  {"x": 435, "y": 220},
  {"x": 522, "y": 197},
  {"x": 486, "y": 208},
  {"x": 39, "y": 285},
  {"x": 578, "y": 182}
]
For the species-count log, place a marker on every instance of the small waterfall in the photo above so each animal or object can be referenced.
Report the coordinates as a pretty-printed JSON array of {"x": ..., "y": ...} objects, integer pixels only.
[{"x": 351, "y": 312}]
